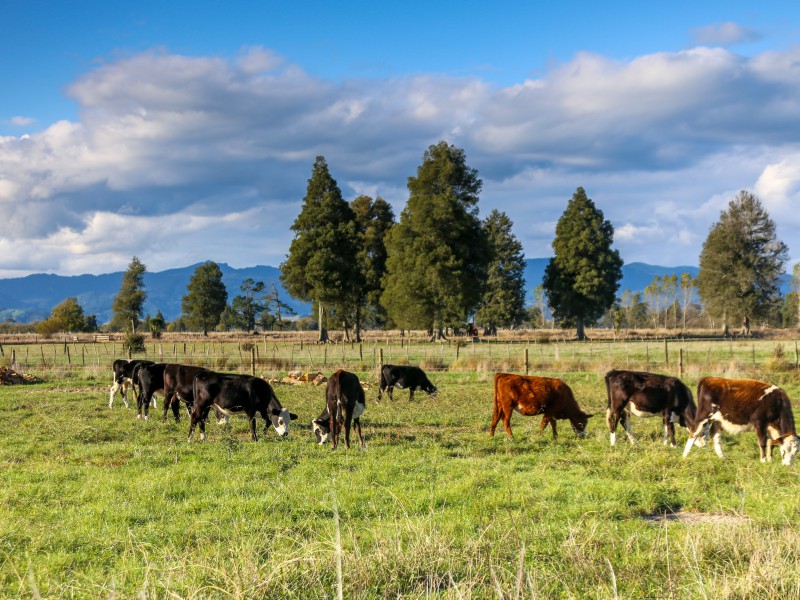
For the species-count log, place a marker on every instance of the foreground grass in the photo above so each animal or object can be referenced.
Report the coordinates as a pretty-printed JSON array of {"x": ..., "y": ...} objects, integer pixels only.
[{"x": 97, "y": 504}]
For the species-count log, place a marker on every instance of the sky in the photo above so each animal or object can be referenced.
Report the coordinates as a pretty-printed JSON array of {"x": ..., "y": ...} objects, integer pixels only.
[{"x": 186, "y": 131}]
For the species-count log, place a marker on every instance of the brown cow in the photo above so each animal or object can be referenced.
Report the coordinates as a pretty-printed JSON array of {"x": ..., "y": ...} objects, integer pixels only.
[
  {"x": 545, "y": 396},
  {"x": 738, "y": 405}
]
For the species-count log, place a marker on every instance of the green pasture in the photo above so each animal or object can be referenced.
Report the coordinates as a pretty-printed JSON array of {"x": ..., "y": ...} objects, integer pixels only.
[{"x": 97, "y": 504}]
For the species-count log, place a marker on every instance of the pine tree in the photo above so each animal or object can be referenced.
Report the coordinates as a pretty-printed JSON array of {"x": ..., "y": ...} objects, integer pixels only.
[
  {"x": 582, "y": 278},
  {"x": 437, "y": 253},
  {"x": 741, "y": 263},
  {"x": 130, "y": 299},
  {"x": 322, "y": 255},
  {"x": 247, "y": 306},
  {"x": 503, "y": 303},
  {"x": 206, "y": 299}
]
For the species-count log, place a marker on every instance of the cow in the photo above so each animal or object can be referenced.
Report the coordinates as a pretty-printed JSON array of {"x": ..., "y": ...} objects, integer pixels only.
[
  {"x": 646, "y": 395},
  {"x": 403, "y": 377},
  {"x": 530, "y": 395},
  {"x": 233, "y": 394},
  {"x": 151, "y": 380},
  {"x": 179, "y": 386},
  {"x": 737, "y": 405},
  {"x": 123, "y": 379},
  {"x": 344, "y": 403}
]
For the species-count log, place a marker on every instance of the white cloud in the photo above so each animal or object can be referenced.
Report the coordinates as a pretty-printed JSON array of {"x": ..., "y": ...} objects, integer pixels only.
[
  {"x": 724, "y": 34},
  {"x": 187, "y": 155}
]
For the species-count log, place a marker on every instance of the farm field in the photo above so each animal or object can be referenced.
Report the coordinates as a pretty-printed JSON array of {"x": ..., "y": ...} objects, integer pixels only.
[{"x": 98, "y": 504}]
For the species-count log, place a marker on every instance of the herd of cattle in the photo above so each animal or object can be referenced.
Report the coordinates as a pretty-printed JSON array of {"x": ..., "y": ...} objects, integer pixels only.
[{"x": 732, "y": 405}]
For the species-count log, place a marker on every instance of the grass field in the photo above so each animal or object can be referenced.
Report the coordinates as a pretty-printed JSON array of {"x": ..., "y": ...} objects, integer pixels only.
[{"x": 97, "y": 504}]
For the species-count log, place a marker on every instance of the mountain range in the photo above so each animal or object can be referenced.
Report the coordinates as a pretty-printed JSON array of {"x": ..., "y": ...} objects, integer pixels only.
[{"x": 31, "y": 298}]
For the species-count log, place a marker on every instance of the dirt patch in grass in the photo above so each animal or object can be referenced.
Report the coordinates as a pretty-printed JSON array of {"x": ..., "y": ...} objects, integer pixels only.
[{"x": 689, "y": 517}]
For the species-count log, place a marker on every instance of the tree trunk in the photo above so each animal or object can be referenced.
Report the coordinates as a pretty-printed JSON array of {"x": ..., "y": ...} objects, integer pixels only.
[
  {"x": 323, "y": 331},
  {"x": 746, "y": 325},
  {"x": 358, "y": 324},
  {"x": 581, "y": 333}
]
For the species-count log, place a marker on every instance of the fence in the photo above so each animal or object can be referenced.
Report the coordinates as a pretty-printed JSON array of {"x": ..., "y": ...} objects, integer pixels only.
[{"x": 275, "y": 356}]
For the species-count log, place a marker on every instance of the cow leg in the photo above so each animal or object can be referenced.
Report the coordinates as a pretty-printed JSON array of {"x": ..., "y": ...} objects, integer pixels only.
[
  {"x": 694, "y": 436},
  {"x": 669, "y": 429},
  {"x": 347, "y": 421},
  {"x": 334, "y": 427},
  {"x": 389, "y": 391},
  {"x": 543, "y": 424},
  {"x": 553, "y": 425},
  {"x": 357, "y": 424},
  {"x": 625, "y": 418},
  {"x": 410, "y": 394},
  {"x": 251, "y": 417},
  {"x": 716, "y": 435},
  {"x": 764, "y": 447},
  {"x": 176, "y": 408},
  {"x": 112, "y": 393},
  {"x": 612, "y": 418},
  {"x": 495, "y": 419},
  {"x": 507, "y": 422}
]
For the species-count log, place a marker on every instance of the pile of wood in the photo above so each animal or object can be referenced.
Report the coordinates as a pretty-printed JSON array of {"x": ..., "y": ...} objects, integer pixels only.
[
  {"x": 298, "y": 378},
  {"x": 11, "y": 377}
]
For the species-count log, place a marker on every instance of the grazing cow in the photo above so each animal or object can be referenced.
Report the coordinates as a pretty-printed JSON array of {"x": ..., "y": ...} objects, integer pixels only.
[
  {"x": 233, "y": 394},
  {"x": 124, "y": 378},
  {"x": 151, "y": 380},
  {"x": 545, "y": 396},
  {"x": 411, "y": 378},
  {"x": 344, "y": 402},
  {"x": 738, "y": 405},
  {"x": 647, "y": 395},
  {"x": 179, "y": 387}
]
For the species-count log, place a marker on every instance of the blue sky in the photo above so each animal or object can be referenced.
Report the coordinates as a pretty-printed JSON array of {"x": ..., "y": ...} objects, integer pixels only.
[{"x": 185, "y": 131}]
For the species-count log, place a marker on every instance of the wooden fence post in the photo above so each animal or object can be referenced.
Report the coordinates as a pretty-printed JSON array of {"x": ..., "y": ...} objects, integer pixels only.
[
  {"x": 680, "y": 363},
  {"x": 526, "y": 361},
  {"x": 796, "y": 356},
  {"x": 380, "y": 363},
  {"x": 666, "y": 353},
  {"x": 253, "y": 360}
]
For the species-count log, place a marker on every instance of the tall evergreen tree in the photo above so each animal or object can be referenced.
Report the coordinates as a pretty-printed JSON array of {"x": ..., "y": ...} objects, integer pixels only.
[
  {"x": 741, "y": 263},
  {"x": 248, "y": 305},
  {"x": 322, "y": 255},
  {"x": 206, "y": 298},
  {"x": 503, "y": 303},
  {"x": 437, "y": 253},
  {"x": 374, "y": 219},
  {"x": 582, "y": 279},
  {"x": 130, "y": 299}
]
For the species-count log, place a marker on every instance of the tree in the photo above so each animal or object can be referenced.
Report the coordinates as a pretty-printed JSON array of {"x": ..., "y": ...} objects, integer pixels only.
[
  {"x": 156, "y": 325},
  {"x": 437, "y": 253},
  {"x": 206, "y": 299},
  {"x": 66, "y": 316},
  {"x": 688, "y": 287},
  {"x": 503, "y": 302},
  {"x": 247, "y": 306},
  {"x": 274, "y": 308},
  {"x": 322, "y": 255},
  {"x": 741, "y": 263},
  {"x": 130, "y": 299},
  {"x": 582, "y": 278},
  {"x": 374, "y": 218}
]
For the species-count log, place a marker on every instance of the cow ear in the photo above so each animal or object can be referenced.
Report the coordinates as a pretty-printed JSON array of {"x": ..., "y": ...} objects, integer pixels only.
[
  {"x": 276, "y": 412},
  {"x": 589, "y": 415},
  {"x": 292, "y": 417}
]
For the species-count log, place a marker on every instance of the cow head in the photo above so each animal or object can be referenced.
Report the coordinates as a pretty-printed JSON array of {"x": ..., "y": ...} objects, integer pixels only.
[
  {"x": 431, "y": 389},
  {"x": 579, "y": 423},
  {"x": 322, "y": 429},
  {"x": 789, "y": 445},
  {"x": 280, "y": 418}
]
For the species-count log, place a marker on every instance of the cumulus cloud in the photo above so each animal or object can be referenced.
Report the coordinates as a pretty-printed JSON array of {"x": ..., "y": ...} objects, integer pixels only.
[{"x": 176, "y": 158}]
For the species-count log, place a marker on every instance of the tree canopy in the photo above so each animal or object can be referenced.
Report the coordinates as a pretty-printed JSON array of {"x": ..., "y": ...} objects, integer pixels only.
[
  {"x": 322, "y": 255},
  {"x": 129, "y": 301},
  {"x": 206, "y": 298},
  {"x": 582, "y": 279},
  {"x": 437, "y": 253},
  {"x": 503, "y": 303},
  {"x": 741, "y": 263}
]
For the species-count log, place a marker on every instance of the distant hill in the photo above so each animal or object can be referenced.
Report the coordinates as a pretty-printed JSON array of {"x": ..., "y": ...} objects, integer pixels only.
[{"x": 31, "y": 298}]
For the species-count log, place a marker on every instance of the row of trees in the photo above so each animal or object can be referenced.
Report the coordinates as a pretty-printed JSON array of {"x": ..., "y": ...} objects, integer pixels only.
[{"x": 439, "y": 264}]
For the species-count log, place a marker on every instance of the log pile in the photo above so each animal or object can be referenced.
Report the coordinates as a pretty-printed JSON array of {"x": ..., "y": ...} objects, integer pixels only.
[{"x": 11, "y": 377}]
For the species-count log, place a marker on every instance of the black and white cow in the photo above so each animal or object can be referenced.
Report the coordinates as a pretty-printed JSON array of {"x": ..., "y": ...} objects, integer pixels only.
[
  {"x": 179, "y": 387},
  {"x": 235, "y": 394},
  {"x": 344, "y": 404},
  {"x": 151, "y": 381},
  {"x": 123, "y": 373},
  {"x": 647, "y": 395},
  {"x": 737, "y": 405},
  {"x": 403, "y": 377}
]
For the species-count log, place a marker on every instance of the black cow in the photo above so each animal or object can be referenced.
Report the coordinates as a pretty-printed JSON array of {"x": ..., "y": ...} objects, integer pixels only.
[
  {"x": 647, "y": 395},
  {"x": 344, "y": 403},
  {"x": 151, "y": 380},
  {"x": 123, "y": 378},
  {"x": 179, "y": 387},
  {"x": 402, "y": 377},
  {"x": 233, "y": 394},
  {"x": 737, "y": 405}
]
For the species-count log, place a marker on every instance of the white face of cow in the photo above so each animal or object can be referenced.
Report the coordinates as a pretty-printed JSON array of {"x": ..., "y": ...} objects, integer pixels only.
[
  {"x": 323, "y": 433},
  {"x": 280, "y": 421},
  {"x": 789, "y": 448}
]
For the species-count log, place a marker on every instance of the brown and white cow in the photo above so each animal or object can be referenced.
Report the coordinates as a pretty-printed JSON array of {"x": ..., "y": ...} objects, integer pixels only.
[
  {"x": 530, "y": 395},
  {"x": 738, "y": 405},
  {"x": 647, "y": 395}
]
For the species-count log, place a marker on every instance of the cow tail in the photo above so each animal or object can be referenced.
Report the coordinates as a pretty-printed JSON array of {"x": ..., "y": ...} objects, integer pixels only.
[
  {"x": 690, "y": 408},
  {"x": 497, "y": 410}
]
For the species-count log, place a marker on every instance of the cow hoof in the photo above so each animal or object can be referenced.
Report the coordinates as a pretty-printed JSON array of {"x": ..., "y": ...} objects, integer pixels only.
[{"x": 138, "y": 416}]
